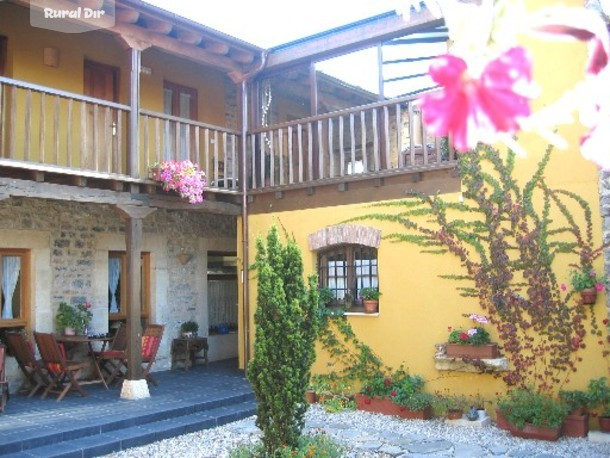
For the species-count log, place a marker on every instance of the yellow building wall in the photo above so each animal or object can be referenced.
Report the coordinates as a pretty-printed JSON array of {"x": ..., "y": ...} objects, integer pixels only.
[{"x": 416, "y": 306}]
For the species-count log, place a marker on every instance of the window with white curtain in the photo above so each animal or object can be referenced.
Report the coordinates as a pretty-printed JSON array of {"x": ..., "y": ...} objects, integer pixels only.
[
  {"x": 14, "y": 275},
  {"x": 118, "y": 305},
  {"x": 181, "y": 102}
]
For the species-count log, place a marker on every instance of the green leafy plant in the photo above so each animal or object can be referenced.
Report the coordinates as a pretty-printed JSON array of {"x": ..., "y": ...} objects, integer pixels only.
[
  {"x": 522, "y": 406},
  {"x": 309, "y": 446},
  {"x": 189, "y": 326},
  {"x": 446, "y": 402},
  {"x": 598, "y": 392},
  {"x": 286, "y": 320},
  {"x": 369, "y": 294},
  {"x": 77, "y": 317},
  {"x": 416, "y": 402},
  {"x": 326, "y": 297},
  {"x": 586, "y": 278},
  {"x": 575, "y": 399},
  {"x": 507, "y": 236},
  {"x": 473, "y": 336}
]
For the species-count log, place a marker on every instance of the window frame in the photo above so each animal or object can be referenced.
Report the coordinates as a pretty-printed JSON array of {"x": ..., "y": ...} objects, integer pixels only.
[
  {"x": 24, "y": 291},
  {"x": 177, "y": 89},
  {"x": 349, "y": 252},
  {"x": 145, "y": 286}
]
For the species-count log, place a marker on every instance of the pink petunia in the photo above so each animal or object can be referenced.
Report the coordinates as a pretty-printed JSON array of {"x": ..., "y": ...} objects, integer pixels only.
[
  {"x": 463, "y": 336},
  {"x": 473, "y": 108},
  {"x": 563, "y": 287},
  {"x": 599, "y": 286}
]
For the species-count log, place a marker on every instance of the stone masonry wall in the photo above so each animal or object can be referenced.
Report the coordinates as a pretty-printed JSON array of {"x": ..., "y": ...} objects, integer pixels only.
[{"x": 70, "y": 241}]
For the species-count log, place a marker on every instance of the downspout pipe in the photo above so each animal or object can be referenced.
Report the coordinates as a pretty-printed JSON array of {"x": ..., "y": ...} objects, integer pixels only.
[{"x": 244, "y": 202}]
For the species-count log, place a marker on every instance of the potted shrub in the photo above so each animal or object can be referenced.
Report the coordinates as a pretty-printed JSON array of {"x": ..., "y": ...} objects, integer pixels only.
[
  {"x": 370, "y": 299},
  {"x": 587, "y": 283},
  {"x": 577, "y": 421},
  {"x": 189, "y": 329},
  {"x": 450, "y": 405},
  {"x": 73, "y": 320},
  {"x": 533, "y": 415},
  {"x": 599, "y": 398},
  {"x": 474, "y": 342}
]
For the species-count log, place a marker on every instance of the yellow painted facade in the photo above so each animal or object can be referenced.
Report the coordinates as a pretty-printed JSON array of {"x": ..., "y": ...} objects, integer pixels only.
[{"x": 416, "y": 307}]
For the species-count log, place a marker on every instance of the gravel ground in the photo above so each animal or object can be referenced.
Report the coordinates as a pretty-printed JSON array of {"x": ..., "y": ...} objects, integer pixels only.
[{"x": 349, "y": 428}]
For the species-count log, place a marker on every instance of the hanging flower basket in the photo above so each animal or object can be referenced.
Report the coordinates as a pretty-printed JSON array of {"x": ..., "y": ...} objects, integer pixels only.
[{"x": 184, "y": 177}]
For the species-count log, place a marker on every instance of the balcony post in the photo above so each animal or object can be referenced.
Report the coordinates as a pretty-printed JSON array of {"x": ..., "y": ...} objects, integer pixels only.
[{"x": 134, "y": 114}]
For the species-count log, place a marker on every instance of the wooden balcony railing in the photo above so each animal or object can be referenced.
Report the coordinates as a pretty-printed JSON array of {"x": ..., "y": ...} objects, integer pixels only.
[
  {"x": 376, "y": 139},
  {"x": 47, "y": 126},
  {"x": 215, "y": 149}
]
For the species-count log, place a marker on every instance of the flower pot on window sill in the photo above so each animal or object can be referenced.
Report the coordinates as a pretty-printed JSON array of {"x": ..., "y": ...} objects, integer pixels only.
[
  {"x": 489, "y": 351},
  {"x": 69, "y": 331},
  {"x": 370, "y": 306},
  {"x": 588, "y": 295}
]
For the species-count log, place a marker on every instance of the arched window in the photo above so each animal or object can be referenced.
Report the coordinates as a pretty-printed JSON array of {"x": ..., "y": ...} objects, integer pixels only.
[{"x": 346, "y": 269}]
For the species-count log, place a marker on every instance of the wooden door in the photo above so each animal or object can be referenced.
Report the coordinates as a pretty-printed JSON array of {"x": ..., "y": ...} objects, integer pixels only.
[{"x": 101, "y": 81}]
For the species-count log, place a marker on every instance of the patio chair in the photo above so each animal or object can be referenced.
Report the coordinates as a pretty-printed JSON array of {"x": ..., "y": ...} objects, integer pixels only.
[
  {"x": 63, "y": 373},
  {"x": 109, "y": 360},
  {"x": 34, "y": 372},
  {"x": 151, "y": 340},
  {"x": 4, "y": 393}
]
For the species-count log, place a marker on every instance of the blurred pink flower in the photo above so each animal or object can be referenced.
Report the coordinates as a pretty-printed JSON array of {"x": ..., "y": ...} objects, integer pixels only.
[
  {"x": 473, "y": 108},
  {"x": 563, "y": 287},
  {"x": 599, "y": 286}
]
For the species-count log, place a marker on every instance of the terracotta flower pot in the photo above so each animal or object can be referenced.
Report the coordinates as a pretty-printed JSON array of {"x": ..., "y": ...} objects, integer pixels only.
[
  {"x": 425, "y": 414},
  {"x": 370, "y": 306},
  {"x": 502, "y": 422},
  {"x": 530, "y": 431},
  {"x": 454, "y": 414},
  {"x": 588, "y": 295},
  {"x": 489, "y": 351},
  {"x": 576, "y": 425},
  {"x": 604, "y": 424},
  {"x": 311, "y": 396}
]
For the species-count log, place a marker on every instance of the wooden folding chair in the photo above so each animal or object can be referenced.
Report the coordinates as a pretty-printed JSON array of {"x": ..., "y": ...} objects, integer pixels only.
[
  {"x": 4, "y": 393},
  {"x": 63, "y": 373},
  {"x": 22, "y": 350},
  {"x": 110, "y": 360},
  {"x": 151, "y": 340}
]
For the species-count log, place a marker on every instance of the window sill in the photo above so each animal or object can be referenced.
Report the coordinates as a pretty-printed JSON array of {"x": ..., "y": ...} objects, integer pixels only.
[{"x": 355, "y": 313}]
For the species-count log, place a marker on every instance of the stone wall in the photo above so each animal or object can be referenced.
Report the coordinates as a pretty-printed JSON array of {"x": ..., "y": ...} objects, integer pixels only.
[{"x": 70, "y": 241}]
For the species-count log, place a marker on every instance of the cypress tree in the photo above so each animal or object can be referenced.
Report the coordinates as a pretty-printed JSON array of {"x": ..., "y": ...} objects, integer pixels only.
[{"x": 286, "y": 321}]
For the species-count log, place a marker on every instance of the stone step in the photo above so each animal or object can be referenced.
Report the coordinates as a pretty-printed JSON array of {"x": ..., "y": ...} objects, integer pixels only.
[{"x": 95, "y": 438}]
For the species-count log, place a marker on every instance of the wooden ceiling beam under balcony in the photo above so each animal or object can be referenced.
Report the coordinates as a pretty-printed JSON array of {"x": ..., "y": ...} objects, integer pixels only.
[{"x": 12, "y": 187}]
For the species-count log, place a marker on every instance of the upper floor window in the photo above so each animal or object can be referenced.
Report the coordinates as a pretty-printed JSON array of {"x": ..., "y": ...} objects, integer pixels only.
[
  {"x": 345, "y": 270},
  {"x": 118, "y": 304},
  {"x": 3, "y": 42},
  {"x": 14, "y": 272},
  {"x": 180, "y": 102}
]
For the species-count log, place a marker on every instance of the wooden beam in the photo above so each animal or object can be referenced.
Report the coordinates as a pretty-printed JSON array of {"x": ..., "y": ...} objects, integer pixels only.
[
  {"x": 350, "y": 38},
  {"x": 189, "y": 37},
  {"x": 173, "y": 46},
  {"x": 217, "y": 48},
  {"x": 127, "y": 15},
  {"x": 12, "y": 187},
  {"x": 162, "y": 27},
  {"x": 241, "y": 56}
]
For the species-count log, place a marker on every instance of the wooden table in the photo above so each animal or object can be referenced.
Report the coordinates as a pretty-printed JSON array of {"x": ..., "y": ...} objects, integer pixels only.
[
  {"x": 184, "y": 350},
  {"x": 73, "y": 341}
]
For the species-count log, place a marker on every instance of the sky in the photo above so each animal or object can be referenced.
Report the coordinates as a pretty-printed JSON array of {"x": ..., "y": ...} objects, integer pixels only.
[{"x": 268, "y": 23}]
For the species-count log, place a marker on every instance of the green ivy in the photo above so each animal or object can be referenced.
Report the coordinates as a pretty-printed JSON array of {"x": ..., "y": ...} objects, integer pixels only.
[{"x": 286, "y": 321}]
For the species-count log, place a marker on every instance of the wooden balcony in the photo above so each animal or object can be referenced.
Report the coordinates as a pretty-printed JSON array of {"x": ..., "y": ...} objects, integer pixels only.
[
  {"x": 375, "y": 140},
  {"x": 58, "y": 132}
]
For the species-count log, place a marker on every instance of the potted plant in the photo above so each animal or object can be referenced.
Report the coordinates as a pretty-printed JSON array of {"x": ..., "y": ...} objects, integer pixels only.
[
  {"x": 325, "y": 297},
  {"x": 189, "y": 329},
  {"x": 474, "y": 342},
  {"x": 181, "y": 176},
  {"x": 533, "y": 415},
  {"x": 73, "y": 319},
  {"x": 577, "y": 422},
  {"x": 587, "y": 283},
  {"x": 599, "y": 398},
  {"x": 370, "y": 299},
  {"x": 450, "y": 405}
]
